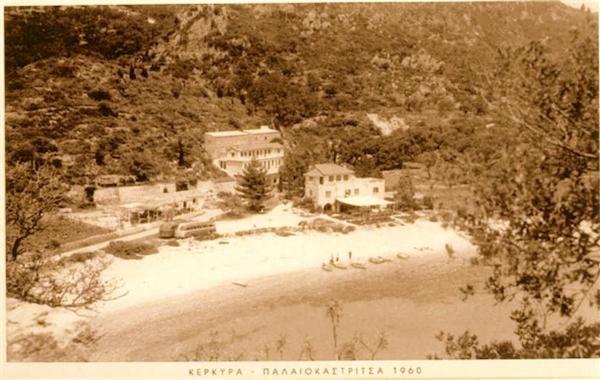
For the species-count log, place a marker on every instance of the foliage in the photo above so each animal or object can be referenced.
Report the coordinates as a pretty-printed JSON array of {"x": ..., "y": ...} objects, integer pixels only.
[
  {"x": 35, "y": 33},
  {"x": 30, "y": 195},
  {"x": 281, "y": 65},
  {"x": 130, "y": 249},
  {"x": 40, "y": 279},
  {"x": 405, "y": 193},
  {"x": 45, "y": 347},
  {"x": 232, "y": 204},
  {"x": 140, "y": 166},
  {"x": 304, "y": 203},
  {"x": 99, "y": 94},
  {"x": 106, "y": 110},
  {"x": 355, "y": 348},
  {"x": 537, "y": 217},
  {"x": 578, "y": 340},
  {"x": 215, "y": 349},
  {"x": 62, "y": 229},
  {"x": 253, "y": 186},
  {"x": 34, "y": 151},
  {"x": 428, "y": 202},
  {"x": 291, "y": 174},
  {"x": 172, "y": 243},
  {"x": 417, "y": 56}
]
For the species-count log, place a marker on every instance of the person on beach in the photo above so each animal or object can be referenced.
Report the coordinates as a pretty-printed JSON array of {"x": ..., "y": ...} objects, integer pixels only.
[{"x": 350, "y": 255}]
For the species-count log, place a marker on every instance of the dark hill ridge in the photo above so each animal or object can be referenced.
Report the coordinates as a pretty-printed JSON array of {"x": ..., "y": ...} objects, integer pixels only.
[{"x": 132, "y": 89}]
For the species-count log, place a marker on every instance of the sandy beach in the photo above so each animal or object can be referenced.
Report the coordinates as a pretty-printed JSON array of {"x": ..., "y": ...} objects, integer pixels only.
[
  {"x": 183, "y": 292},
  {"x": 410, "y": 300},
  {"x": 254, "y": 290},
  {"x": 196, "y": 265}
]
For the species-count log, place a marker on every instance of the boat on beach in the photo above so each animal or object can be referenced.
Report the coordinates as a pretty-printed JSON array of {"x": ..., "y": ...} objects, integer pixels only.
[
  {"x": 326, "y": 267},
  {"x": 378, "y": 260}
]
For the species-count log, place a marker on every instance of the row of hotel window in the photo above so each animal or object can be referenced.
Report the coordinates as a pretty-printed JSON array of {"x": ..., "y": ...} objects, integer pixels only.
[
  {"x": 347, "y": 192},
  {"x": 334, "y": 178},
  {"x": 267, "y": 164},
  {"x": 254, "y": 153}
]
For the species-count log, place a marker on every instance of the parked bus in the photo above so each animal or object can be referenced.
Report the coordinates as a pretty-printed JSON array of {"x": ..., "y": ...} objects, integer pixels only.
[{"x": 195, "y": 229}]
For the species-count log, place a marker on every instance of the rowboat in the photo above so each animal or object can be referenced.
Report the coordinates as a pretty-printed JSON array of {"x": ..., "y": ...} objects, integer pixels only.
[
  {"x": 378, "y": 260},
  {"x": 359, "y": 265},
  {"x": 402, "y": 256},
  {"x": 326, "y": 267},
  {"x": 339, "y": 265}
]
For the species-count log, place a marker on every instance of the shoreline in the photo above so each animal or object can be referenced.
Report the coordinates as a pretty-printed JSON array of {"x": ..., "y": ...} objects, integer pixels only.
[
  {"x": 236, "y": 273},
  {"x": 294, "y": 304},
  {"x": 197, "y": 265}
]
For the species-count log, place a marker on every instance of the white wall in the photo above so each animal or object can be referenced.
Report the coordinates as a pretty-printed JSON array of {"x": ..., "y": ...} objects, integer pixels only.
[
  {"x": 330, "y": 190},
  {"x": 235, "y": 167},
  {"x": 129, "y": 194}
]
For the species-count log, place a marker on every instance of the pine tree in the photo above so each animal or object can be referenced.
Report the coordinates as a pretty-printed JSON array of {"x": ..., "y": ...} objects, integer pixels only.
[{"x": 253, "y": 186}]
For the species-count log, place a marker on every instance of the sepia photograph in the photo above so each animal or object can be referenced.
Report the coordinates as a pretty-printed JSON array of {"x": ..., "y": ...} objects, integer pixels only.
[{"x": 301, "y": 182}]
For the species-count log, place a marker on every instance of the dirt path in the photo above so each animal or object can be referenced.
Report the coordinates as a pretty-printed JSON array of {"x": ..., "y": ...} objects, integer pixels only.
[
  {"x": 150, "y": 232},
  {"x": 411, "y": 300}
]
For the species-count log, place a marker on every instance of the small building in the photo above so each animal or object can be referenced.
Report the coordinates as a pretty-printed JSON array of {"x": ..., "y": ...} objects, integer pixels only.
[
  {"x": 334, "y": 187},
  {"x": 232, "y": 151},
  {"x": 166, "y": 206}
]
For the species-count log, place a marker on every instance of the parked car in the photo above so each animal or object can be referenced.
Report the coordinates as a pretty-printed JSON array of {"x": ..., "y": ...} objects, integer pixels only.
[{"x": 195, "y": 229}]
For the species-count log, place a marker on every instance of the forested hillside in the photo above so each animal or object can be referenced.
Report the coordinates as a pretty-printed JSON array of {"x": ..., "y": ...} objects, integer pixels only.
[
  {"x": 132, "y": 89},
  {"x": 496, "y": 102}
]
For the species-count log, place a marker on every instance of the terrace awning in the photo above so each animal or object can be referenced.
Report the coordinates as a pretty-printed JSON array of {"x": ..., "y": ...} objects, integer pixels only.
[{"x": 363, "y": 201}]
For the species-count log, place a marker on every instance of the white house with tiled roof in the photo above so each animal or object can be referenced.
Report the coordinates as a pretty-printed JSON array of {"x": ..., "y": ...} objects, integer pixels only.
[
  {"x": 232, "y": 151},
  {"x": 332, "y": 187}
]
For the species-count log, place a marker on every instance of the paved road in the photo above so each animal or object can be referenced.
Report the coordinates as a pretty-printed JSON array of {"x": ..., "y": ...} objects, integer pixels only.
[{"x": 151, "y": 231}]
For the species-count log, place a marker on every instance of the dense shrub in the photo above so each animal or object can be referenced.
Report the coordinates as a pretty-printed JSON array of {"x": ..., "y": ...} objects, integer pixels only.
[
  {"x": 61, "y": 230},
  {"x": 45, "y": 347},
  {"x": 304, "y": 203},
  {"x": 181, "y": 185},
  {"x": 428, "y": 202},
  {"x": 60, "y": 32},
  {"x": 405, "y": 201},
  {"x": 79, "y": 257},
  {"x": 232, "y": 204},
  {"x": 182, "y": 69},
  {"x": 99, "y": 94},
  {"x": 63, "y": 70},
  {"x": 140, "y": 166},
  {"x": 54, "y": 96},
  {"x": 105, "y": 110},
  {"x": 172, "y": 243},
  {"x": 53, "y": 244},
  {"x": 130, "y": 249}
]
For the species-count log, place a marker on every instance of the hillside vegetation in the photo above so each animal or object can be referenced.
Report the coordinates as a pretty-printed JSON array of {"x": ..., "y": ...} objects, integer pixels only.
[{"x": 131, "y": 89}]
